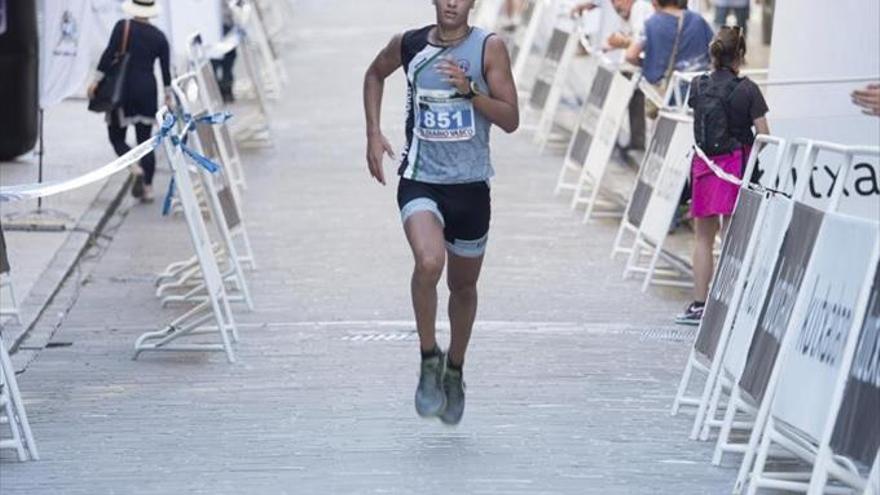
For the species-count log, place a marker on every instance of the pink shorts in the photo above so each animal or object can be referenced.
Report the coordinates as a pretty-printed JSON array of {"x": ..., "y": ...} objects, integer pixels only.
[{"x": 712, "y": 195}]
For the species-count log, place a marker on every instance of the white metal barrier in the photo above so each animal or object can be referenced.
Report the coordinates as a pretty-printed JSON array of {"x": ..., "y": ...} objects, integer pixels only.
[
  {"x": 212, "y": 102},
  {"x": 647, "y": 255},
  {"x": 818, "y": 348},
  {"x": 783, "y": 319},
  {"x": 776, "y": 217},
  {"x": 487, "y": 13},
  {"x": 12, "y": 412},
  {"x": 254, "y": 129},
  {"x": 547, "y": 90},
  {"x": 187, "y": 284},
  {"x": 754, "y": 386},
  {"x": 598, "y": 136},
  {"x": 216, "y": 307},
  {"x": 6, "y": 283},
  {"x": 524, "y": 39},
  {"x": 729, "y": 281},
  {"x": 253, "y": 33},
  {"x": 276, "y": 16},
  {"x": 10, "y": 310}
]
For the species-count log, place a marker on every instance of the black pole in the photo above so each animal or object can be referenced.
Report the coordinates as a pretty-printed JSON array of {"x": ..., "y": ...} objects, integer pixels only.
[{"x": 40, "y": 161}]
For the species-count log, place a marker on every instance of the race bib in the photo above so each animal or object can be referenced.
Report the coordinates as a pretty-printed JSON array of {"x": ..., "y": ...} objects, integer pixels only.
[{"x": 444, "y": 116}]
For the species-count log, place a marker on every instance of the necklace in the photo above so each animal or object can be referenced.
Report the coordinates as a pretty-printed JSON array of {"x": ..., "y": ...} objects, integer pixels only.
[{"x": 453, "y": 40}]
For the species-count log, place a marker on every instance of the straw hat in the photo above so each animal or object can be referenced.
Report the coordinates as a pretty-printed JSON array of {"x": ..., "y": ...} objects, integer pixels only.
[{"x": 141, "y": 8}]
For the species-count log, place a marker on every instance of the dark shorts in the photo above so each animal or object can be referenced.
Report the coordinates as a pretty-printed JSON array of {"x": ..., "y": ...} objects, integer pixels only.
[{"x": 464, "y": 210}]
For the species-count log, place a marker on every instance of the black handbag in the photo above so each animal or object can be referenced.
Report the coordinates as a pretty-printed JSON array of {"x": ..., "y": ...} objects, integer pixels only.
[{"x": 108, "y": 94}]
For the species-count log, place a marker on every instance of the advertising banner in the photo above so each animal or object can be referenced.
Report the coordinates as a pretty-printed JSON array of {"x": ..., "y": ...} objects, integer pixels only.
[
  {"x": 823, "y": 323},
  {"x": 857, "y": 431},
  {"x": 785, "y": 285}
]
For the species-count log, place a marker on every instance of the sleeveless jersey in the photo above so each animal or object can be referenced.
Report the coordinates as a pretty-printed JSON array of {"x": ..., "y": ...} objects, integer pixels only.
[{"x": 447, "y": 140}]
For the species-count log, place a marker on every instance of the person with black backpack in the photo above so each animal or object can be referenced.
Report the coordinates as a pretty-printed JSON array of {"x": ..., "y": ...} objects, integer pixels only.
[{"x": 726, "y": 107}]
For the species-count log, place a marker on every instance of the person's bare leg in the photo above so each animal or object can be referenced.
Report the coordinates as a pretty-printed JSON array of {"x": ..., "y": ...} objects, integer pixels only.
[
  {"x": 461, "y": 277},
  {"x": 425, "y": 235},
  {"x": 705, "y": 230}
]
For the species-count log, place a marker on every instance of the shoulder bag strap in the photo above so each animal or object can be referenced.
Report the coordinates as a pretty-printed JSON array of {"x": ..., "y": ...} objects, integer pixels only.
[
  {"x": 672, "y": 57},
  {"x": 126, "y": 34}
]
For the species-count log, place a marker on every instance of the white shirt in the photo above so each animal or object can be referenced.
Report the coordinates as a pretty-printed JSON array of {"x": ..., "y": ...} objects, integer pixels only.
[{"x": 635, "y": 25}]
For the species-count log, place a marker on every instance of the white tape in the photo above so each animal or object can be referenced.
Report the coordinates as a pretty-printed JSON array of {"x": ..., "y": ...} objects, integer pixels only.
[
  {"x": 718, "y": 171},
  {"x": 227, "y": 44},
  {"x": 39, "y": 190}
]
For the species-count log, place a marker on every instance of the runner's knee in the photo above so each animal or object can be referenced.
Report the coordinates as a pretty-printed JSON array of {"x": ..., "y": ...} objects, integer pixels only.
[
  {"x": 462, "y": 289},
  {"x": 429, "y": 265}
]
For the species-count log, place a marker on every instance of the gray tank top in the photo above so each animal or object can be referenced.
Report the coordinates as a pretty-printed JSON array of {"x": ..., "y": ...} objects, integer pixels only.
[{"x": 447, "y": 140}]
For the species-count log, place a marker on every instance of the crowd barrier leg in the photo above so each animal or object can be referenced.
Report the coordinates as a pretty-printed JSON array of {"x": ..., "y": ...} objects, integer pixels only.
[
  {"x": 681, "y": 397},
  {"x": 873, "y": 487},
  {"x": 713, "y": 406},
  {"x": 12, "y": 407},
  {"x": 735, "y": 405},
  {"x": 174, "y": 269},
  {"x": 708, "y": 402},
  {"x": 12, "y": 311},
  {"x": 188, "y": 324}
]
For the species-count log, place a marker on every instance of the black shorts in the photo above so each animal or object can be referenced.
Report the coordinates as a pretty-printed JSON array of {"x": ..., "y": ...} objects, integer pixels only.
[{"x": 464, "y": 210}]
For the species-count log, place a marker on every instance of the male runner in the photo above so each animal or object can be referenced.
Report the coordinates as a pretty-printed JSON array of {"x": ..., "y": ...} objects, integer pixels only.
[{"x": 459, "y": 84}]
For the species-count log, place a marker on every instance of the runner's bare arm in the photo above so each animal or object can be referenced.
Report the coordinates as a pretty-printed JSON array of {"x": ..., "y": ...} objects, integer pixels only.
[
  {"x": 383, "y": 66},
  {"x": 500, "y": 105}
]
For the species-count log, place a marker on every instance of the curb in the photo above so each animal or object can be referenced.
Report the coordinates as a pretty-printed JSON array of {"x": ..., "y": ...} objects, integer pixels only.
[{"x": 78, "y": 240}]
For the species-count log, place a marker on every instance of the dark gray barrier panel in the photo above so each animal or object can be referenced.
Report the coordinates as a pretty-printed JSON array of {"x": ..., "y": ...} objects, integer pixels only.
[
  {"x": 857, "y": 431},
  {"x": 650, "y": 170},
  {"x": 4, "y": 258},
  {"x": 18, "y": 77},
  {"x": 788, "y": 274},
  {"x": 729, "y": 265},
  {"x": 591, "y": 113},
  {"x": 552, "y": 57}
]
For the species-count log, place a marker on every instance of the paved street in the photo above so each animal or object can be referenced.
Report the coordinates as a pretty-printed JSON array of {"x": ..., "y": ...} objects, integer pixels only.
[{"x": 570, "y": 376}]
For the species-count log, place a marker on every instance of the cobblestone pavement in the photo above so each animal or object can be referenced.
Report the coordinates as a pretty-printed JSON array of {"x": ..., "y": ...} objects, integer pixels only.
[{"x": 570, "y": 377}]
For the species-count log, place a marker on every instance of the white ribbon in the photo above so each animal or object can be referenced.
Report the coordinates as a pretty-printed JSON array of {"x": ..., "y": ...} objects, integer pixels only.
[
  {"x": 718, "y": 171},
  {"x": 39, "y": 190},
  {"x": 227, "y": 44}
]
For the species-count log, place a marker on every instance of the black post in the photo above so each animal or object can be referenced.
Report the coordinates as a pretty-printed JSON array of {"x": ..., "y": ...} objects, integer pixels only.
[{"x": 40, "y": 161}]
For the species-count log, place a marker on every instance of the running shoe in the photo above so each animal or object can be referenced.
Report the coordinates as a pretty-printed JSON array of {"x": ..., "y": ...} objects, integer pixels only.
[
  {"x": 692, "y": 315},
  {"x": 430, "y": 398},
  {"x": 453, "y": 388},
  {"x": 137, "y": 186}
]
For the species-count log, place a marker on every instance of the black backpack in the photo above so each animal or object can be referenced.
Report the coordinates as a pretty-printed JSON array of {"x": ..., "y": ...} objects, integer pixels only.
[{"x": 710, "y": 100}]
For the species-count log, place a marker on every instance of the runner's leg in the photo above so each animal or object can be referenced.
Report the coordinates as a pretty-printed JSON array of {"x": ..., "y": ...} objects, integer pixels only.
[
  {"x": 425, "y": 235},
  {"x": 461, "y": 277}
]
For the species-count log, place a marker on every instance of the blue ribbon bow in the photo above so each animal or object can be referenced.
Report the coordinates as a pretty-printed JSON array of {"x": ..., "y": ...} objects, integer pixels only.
[{"x": 180, "y": 140}]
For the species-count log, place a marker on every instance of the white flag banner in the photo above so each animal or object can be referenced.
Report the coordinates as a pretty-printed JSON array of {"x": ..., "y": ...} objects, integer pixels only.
[
  {"x": 65, "y": 55},
  {"x": 105, "y": 13}
]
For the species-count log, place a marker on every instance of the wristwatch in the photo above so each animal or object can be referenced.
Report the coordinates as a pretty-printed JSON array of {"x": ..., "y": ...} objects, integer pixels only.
[{"x": 473, "y": 90}]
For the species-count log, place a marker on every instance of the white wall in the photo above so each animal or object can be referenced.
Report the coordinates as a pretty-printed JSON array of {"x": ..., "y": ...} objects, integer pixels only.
[{"x": 815, "y": 39}]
